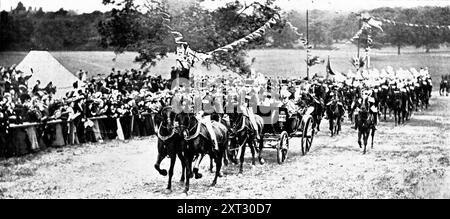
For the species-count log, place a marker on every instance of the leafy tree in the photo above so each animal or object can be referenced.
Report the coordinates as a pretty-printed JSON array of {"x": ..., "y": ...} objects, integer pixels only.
[
  {"x": 143, "y": 30},
  {"x": 20, "y": 9},
  {"x": 396, "y": 35}
]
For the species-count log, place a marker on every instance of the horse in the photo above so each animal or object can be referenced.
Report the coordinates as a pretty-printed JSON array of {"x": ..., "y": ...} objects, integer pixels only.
[
  {"x": 424, "y": 91},
  {"x": 318, "y": 95},
  {"x": 199, "y": 144},
  {"x": 335, "y": 112},
  {"x": 406, "y": 105},
  {"x": 365, "y": 126},
  {"x": 241, "y": 135},
  {"x": 170, "y": 143},
  {"x": 397, "y": 107}
]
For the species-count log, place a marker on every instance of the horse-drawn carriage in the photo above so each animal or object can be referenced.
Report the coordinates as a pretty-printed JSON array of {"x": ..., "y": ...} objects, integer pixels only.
[{"x": 280, "y": 126}]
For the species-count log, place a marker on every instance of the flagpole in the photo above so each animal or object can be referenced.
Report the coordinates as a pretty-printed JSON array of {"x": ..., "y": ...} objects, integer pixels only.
[
  {"x": 307, "y": 44},
  {"x": 359, "y": 38},
  {"x": 367, "y": 51}
]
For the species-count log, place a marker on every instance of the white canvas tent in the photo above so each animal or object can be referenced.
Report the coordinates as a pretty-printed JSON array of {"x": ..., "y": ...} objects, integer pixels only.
[{"x": 47, "y": 69}]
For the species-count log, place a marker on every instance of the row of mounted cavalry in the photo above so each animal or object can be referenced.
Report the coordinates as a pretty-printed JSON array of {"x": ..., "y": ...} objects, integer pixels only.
[{"x": 184, "y": 136}]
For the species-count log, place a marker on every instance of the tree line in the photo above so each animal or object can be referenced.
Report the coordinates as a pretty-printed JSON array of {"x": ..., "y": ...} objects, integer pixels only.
[
  {"x": 27, "y": 28},
  {"x": 23, "y": 29}
]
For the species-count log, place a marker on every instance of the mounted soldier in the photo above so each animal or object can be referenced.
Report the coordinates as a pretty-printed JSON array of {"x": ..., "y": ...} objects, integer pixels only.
[{"x": 366, "y": 101}]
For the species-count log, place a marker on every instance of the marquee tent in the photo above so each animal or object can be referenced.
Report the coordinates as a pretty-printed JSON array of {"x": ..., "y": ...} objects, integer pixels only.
[{"x": 45, "y": 68}]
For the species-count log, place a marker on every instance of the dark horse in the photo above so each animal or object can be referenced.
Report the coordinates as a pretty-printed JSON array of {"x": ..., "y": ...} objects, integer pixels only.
[
  {"x": 242, "y": 134},
  {"x": 170, "y": 143},
  {"x": 335, "y": 112},
  {"x": 366, "y": 125},
  {"x": 394, "y": 102},
  {"x": 317, "y": 101},
  {"x": 199, "y": 144},
  {"x": 398, "y": 107}
]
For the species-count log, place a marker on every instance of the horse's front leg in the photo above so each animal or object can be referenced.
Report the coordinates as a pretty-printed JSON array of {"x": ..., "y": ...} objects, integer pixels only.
[
  {"x": 373, "y": 135},
  {"x": 395, "y": 118},
  {"x": 241, "y": 158},
  {"x": 211, "y": 163},
  {"x": 251, "y": 144},
  {"x": 319, "y": 121},
  {"x": 173, "y": 159},
  {"x": 189, "y": 173},
  {"x": 359, "y": 139},
  {"x": 183, "y": 166},
  {"x": 161, "y": 155},
  {"x": 366, "y": 138}
]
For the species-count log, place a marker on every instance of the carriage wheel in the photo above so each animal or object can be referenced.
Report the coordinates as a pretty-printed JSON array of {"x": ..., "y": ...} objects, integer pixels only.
[
  {"x": 283, "y": 148},
  {"x": 307, "y": 135}
]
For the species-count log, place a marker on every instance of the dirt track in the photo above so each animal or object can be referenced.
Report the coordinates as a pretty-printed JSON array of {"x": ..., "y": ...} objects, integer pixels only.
[{"x": 411, "y": 161}]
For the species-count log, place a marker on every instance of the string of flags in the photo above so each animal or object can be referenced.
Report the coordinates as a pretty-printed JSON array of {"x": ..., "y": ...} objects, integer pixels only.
[
  {"x": 186, "y": 55},
  {"x": 251, "y": 37},
  {"x": 369, "y": 23},
  {"x": 413, "y": 25}
]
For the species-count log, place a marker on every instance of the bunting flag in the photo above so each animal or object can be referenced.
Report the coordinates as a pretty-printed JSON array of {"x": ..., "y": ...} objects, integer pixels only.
[
  {"x": 251, "y": 37},
  {"x": 329, "y": 70},
  {"x": 371, "y": 21},
  {"x": 357, "y": 35},
  {"x": 294, "y": 29},
  {"x": 413, "y": 25},
  {"x": 185, "y": 54}
]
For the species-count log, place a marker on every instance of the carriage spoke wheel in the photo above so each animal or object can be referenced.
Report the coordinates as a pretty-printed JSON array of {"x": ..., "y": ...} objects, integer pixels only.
[
  {"x": 308, "y": 133},
  {"x": 283, "y": 148}
]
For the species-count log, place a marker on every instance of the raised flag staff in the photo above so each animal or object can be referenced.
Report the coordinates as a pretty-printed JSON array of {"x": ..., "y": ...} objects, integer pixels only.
[{"x": 307, "y": 44}]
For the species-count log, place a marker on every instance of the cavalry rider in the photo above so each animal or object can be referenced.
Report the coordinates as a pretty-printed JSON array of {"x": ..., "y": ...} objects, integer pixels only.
[
  {"x": 367, "y": 102},
  {"x": 204, "y": 116},
  {"x": 333, "y": 95},
  {"x": 318, "y": 92},
  {"x": 247, "y": 106}
]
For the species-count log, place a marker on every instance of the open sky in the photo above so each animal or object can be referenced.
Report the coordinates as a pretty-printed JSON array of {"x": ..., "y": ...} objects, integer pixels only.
[{"x": 82, "y": 6}]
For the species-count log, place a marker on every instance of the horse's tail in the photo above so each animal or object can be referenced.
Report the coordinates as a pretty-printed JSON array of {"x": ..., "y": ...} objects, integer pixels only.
[{"x": 260, "y": 123}]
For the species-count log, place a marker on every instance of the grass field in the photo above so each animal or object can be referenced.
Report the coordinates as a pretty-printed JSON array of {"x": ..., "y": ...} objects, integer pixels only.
[{"x": 285, "y": 63}]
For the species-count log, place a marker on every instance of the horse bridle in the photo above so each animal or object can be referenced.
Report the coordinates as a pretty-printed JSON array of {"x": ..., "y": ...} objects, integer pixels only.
[
  {"x": 165, "y": 138},
  {"x": 187, "y": 132}
]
